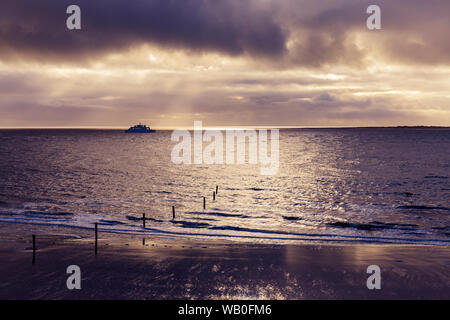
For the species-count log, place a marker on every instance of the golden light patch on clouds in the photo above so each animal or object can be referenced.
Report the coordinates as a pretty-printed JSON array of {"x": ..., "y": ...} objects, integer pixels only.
[
  {"x": 153, "y": 58},
  {"x": 329, "y": 76}
]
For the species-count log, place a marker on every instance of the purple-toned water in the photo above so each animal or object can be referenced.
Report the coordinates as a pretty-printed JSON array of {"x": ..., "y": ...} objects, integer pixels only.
[{"x": 380, "y": 185}]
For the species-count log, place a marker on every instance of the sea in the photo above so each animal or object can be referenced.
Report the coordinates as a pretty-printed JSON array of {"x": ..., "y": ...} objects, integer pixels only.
[{"x": 336, "y": 185}]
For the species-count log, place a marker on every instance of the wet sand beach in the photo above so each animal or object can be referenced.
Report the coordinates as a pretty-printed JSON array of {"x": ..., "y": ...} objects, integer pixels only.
[{"x": 129, "y": 268}]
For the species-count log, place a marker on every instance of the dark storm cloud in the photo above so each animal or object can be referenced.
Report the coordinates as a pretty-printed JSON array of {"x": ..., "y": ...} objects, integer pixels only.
[
  {"x": 421, "y": 32},
  {"x": 233, "y": 27},
  {"x": 319, "y": 32},
  {"x": 413, "y": 31}
]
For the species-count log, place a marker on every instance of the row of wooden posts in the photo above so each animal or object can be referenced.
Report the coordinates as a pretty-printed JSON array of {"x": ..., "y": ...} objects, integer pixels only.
[
  {"x": 143, "y": 224},
  {"x": 173, "y": 207}
]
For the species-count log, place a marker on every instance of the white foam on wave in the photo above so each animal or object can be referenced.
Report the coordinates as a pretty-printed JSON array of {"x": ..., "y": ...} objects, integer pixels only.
[{"x": 198, "y": 230}]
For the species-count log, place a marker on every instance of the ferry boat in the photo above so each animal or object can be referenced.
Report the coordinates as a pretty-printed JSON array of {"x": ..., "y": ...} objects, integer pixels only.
[{"x": 140, "y": 128}]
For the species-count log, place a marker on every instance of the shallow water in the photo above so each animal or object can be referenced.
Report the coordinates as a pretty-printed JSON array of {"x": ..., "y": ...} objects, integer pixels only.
[{"x": 334, "y": 185}]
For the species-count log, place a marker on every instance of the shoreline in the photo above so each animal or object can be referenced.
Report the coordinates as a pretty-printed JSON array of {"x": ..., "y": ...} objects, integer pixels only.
[
  {"x": 161, "y": 269},
  {"x": 313, "y": 239}
]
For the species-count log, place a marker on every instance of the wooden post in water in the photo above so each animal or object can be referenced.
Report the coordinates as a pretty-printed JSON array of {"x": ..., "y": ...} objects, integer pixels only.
[
  {"x": 34, "y": 249},
  {"x": 214, "y": 196},
  {"x": 143, "y": 220},
  {"x": 173, "y": 212},
  {"x": 204, "y": 202},
  {"x": 96, "y": 236},
  {"x": 217, "y": 189}
]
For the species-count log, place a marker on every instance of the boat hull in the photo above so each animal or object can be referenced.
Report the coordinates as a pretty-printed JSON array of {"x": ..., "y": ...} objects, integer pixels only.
[{"x": 135, "y": 131}]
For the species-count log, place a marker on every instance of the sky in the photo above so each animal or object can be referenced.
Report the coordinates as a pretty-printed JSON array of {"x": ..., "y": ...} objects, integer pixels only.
[{"x": 225, "y": 62}]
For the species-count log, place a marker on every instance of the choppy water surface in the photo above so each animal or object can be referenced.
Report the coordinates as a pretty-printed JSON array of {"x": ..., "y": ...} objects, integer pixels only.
[{"x": 364, "y": 185}]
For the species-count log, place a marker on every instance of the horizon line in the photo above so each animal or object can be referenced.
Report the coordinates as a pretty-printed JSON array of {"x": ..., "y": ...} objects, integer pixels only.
[{"x": 163, "y": 128}]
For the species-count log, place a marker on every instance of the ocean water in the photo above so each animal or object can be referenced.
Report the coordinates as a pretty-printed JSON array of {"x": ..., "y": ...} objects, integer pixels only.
[{"x": 370, "y": 185}]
